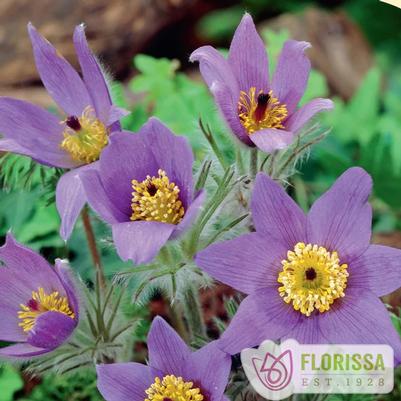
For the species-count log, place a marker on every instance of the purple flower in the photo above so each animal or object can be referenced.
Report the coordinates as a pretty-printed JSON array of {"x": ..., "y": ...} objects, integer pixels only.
[
  {"x": 260, "y": 112},
  {"x": 38, "y": 306},
  {"x": 314, "y": 278},
  {"x": 174, "y": 373},
  {"x": 144, "y": 189},
  {"x": 76, "y": 141}
]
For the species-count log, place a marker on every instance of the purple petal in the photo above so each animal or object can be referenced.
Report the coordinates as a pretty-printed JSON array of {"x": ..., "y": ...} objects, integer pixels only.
[
  {"x": 216, "y": 69},
  {"x": 247, "y": 263},
  {"x": 140, "y": 241},
  {"x": 123, "y": 381},
  {"x": 190, "y": 215},
  {"x": 115, "y": 114},
  {"x": 32, "y": 131},
  {"x": 14, "y": 292},
  {"x": 276, "y": 214},
  {"x": 341, "y": 218},
  {"x": 229, "y": 109},
  {"x": 377, "y": 269},
  {"x": 93, "y": 76},
  {"x": 360, "y": 318},
  {"x": 307, "y": 331},
  {"x": 32, "y": 270},
  {"x": 248, "y": 57},
  {"x": 99, "y": 200},
  {"x": 292, "y": 73},
  {"x": 60, "y": 79},
  {"x": 270, "y": 139},
  {"x": 64, "y": 273},
  {"x": 176, "y": 162},
  {"x": 70, "y": 199},
  {"x": 134, "y": 156},
  {"x": 51, "y": 330},
  {"x": 221, "y": 81},
  {"x": 167, "y": 351},
  {"x": 22, "y": 350},
  {"x": 212, "y": 371},
  {"x": 124, "y": 159},
  {"x": 8, "y": 145},
  {"x": 296, "y": 121},
  {"x": 261, "y": 316}
]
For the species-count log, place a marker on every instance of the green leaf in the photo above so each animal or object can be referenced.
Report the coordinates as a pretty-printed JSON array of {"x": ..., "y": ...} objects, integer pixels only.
[
  {"x": 274, "y": 43},
  {"x": 220, "y": 24},
  {"x": 10, "y": 382}
]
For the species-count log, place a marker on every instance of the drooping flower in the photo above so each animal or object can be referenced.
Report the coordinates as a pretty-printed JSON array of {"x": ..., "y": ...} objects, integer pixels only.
[
  {"x": 260, "y": 112},
  {"x": 144, "y": 189},
  {"x": 73, "y": 141},
  {"x": 38, "y": 305},
  {"x": 314, "y": 278},
  {"x": 174, "y": 372}
]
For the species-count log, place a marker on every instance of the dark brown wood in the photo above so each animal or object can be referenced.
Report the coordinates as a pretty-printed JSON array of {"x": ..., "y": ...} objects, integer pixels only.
[{"x": 116, "y": 30}]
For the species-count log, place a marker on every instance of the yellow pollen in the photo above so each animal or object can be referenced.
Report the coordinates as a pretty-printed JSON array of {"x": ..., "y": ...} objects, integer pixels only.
[
  {"x": 86, "y": 144},
  {"x": 156, "y": 199},
  {"x": 260, "y": 111},
  {"x": 312, "y": 278},
  {"x": 173, "y": 388},
  {"x": 41, "y": 303}
]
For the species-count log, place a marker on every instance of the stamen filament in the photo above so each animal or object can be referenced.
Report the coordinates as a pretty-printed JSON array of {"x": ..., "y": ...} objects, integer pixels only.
[
  {"x": 84, "y": 137},
  {"x": 260, "y": 111},
  {"x": 173, "y": 388},
  {"x": 312, "y": 278},
  {"x": 156, "y": 199},
  {"x": 41, "y": 303}
]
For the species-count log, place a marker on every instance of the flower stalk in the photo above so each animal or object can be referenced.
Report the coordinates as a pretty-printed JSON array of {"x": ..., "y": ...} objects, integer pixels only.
[
  {"x": 193, "y": 314},
  {"x": 253, "y": 162},
  {"x": 91, "y": 238}
]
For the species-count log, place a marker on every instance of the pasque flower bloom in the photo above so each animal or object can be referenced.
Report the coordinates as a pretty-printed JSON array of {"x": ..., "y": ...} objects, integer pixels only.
[
  {"x": 74, "y": 142},
  {"x": 315, "y": 277},
  {"x": 260, "y": 112},
  {"x": 39, "y": 304},
  {"x": 174, "y": 372},
  {"x": 144, "y": 189}
]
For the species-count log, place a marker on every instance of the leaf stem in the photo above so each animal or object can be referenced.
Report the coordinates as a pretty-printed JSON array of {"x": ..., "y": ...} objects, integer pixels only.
[
  {"x": 90, "y": 236},
  {"x": 193, "y": 313},
  {"x": 253, "y": 162}
]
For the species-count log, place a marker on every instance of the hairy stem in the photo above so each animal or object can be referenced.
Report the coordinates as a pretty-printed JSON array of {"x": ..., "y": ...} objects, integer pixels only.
[
  {"x": 193, "y": 314},
  {"x": 90, "y": 236},
  {"x": 176, "y": 316},
  {"x": 253, "y": 163}
]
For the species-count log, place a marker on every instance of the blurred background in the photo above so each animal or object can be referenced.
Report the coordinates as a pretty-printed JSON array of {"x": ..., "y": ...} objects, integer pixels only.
[{"x": 144, "y": 46}]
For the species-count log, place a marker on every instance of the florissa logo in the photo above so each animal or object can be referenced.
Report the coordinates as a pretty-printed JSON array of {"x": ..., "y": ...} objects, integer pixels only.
[
  {"x": 395, "y": 3},
  {"x": 277, "y": 371}
]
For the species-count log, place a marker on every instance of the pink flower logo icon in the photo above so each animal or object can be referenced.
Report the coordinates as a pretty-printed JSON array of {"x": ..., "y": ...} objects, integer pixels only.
[{"x": 274, "y": 373}]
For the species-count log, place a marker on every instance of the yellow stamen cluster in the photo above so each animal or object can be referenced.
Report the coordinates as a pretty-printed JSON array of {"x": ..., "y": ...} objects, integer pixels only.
[
  {"x": 156, "y": 199},
  {"x": 40, "y": 303},
  {"x": 173, "y": 388},
  {"x": 312, "y": 278},
  {"x": 254, "y": 116},
  {"x": 85, "y": 144}
]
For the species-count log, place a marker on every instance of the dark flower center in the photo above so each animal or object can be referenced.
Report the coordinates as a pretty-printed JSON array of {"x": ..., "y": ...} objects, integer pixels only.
[
  {"x": 263, "y": 101},
  {"x": 33, "y": 305},
  {"x": 310, "y": 274},
  {"x": 152, "y": 189},
  {"x": 263, "y": 98},
  {"x": 73, "y": 123}
]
